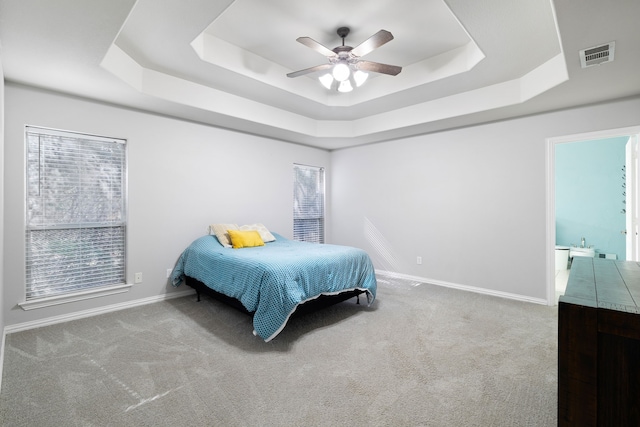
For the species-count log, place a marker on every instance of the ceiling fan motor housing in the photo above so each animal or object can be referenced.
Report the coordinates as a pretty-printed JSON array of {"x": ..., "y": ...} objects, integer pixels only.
[{"x": 343, "y": 55}]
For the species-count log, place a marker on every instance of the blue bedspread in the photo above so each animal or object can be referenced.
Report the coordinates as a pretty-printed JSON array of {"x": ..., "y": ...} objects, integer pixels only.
[{"x": 272, "y": 280}]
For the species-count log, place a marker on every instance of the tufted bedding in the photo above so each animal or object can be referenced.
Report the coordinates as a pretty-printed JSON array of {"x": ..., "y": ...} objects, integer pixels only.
[{"x": 271, "y": 281}]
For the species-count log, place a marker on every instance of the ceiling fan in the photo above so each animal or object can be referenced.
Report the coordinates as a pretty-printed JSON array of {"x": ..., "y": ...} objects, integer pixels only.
[{"x": 345, "y": 62}]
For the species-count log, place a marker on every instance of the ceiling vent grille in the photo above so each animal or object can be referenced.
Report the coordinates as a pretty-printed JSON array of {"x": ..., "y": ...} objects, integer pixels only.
[{"x": 597, "y": 55}]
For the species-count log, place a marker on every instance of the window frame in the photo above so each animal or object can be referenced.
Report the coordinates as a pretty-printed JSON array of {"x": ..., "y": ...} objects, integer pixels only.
[
  {"x": 314, "y": 234},
  {"x": 79, "y": 222}
]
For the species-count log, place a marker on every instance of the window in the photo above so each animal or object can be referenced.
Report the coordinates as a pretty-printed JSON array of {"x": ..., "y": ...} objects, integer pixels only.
[
  {"x": 308, "y": 203},
  {"x": 75, "y": 213}
]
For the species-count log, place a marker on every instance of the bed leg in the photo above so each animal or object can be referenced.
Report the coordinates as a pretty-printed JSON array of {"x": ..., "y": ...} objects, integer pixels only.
[
  {"x": 198, "y": 294},
  {"x": 358, "y": 299}
]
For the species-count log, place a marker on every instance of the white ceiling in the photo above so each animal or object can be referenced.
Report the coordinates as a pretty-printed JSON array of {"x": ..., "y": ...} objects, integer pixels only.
[{"x": 225, "y": 62}]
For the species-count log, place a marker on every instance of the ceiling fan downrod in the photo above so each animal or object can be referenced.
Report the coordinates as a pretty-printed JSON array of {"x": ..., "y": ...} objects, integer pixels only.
[{"x": 343, "y": 32}]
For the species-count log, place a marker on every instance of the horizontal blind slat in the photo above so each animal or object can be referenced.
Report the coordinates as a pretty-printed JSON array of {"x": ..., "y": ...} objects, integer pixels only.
[
  {"x": 76, "y": 212},
  {"x": 308, "y": 204}
]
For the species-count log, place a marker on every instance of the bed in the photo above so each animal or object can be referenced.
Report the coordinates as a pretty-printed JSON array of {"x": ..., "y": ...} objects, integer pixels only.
[{"x": 273, "y": 280}]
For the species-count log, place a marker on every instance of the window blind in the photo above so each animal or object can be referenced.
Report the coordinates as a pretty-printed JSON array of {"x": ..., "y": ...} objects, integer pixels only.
[
  {"x": 76, "y": 212},
  {"x": 308, "y": 203}
]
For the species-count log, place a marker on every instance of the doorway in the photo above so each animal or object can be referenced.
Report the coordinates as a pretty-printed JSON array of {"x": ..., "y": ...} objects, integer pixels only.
[
  {"x": 629, "y": 206},
  {"x": 632, "y": 186}
]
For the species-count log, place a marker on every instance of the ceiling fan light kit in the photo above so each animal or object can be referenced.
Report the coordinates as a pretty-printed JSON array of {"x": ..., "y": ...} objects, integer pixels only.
[
  {"x": 360, "y": 77},
  {"x": 342, "y": 84},
  {"x": 345, "y": 68},
  {"x": 345, "y": 86},
  {"x": 341, "y": 71}
]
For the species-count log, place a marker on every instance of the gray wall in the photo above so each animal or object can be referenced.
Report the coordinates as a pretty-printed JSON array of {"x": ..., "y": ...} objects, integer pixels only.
[
  {"x": 471, "y": 202},
  {"x": 182, "y": 177}
]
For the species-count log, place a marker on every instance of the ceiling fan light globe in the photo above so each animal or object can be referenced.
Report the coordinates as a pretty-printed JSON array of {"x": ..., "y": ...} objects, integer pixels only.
[
  {"x": 360, "y": 77},
  {"x": 345, "y": 86},
  {"x": 341, "y": 72},
  {"x": 326, "y": 80}
]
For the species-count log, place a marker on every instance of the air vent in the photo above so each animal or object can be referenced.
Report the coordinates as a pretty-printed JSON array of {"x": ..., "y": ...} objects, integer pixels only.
[{"x": 597, "y": 55}]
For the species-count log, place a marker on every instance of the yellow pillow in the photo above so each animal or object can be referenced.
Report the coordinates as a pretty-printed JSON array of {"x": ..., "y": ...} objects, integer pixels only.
[
  {"x": 245, "y": 239},
  {"x": 264, "y": 233}
]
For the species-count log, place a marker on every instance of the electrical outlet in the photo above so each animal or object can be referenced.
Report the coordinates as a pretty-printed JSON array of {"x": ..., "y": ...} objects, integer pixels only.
[
  {"x": 419, "y": 260},
  {"x": 169, "y": 271},
  {"x": 137, "y": 278}
]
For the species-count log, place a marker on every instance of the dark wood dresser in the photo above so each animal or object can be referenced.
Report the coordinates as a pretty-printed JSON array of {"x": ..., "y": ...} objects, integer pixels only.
[{"x": 599, "y": 344}]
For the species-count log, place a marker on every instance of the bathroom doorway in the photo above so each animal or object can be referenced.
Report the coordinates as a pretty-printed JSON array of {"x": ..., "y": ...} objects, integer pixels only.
[
  {"x": 626, "y": 200},
  {"x": 632, "y": 186}
]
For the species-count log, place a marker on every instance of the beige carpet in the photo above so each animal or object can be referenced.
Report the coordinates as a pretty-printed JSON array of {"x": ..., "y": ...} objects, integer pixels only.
[{"x": 420, "y": 356}]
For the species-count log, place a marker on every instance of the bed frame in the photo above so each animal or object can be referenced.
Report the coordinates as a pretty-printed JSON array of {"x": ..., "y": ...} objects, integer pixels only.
[{"x": 322, "y": 301}]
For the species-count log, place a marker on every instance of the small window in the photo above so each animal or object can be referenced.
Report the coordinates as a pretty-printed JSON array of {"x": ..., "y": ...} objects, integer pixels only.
[
  {"x": 308, "y": 203},
  {"x": 76, "y": 212}
]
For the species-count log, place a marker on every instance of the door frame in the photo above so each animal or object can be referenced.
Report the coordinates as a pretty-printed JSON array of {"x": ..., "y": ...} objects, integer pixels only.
[
  {"x": 631, "y": 198},
  {"x": 551, "y": 192}
]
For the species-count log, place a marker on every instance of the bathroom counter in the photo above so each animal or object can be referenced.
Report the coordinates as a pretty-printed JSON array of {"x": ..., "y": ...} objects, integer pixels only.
[{"x": 599, "y": 344}]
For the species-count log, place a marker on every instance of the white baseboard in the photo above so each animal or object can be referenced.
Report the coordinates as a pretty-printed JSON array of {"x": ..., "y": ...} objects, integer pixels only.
[
  {"x": 463, "y": 287},
  {"x": 92, "y": 312},
  {"x": 129, "y": 304}
]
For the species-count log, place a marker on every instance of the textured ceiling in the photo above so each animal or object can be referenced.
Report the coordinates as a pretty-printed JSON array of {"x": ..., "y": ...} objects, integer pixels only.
[{"x": 225, "y": 62}]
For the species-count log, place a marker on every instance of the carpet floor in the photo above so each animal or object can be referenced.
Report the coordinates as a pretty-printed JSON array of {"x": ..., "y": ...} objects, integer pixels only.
[{"x": 420, "y": 355}]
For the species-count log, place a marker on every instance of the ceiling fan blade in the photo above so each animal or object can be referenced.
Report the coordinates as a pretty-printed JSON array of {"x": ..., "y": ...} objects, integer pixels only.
[
  {"x": 377, "y": 67},
  {"x": 310, "y": 70},
  {"x": 373, "y": 42},
  {"x": 323, "y": 50}
]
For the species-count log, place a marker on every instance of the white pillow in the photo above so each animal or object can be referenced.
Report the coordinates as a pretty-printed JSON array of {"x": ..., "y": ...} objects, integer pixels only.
[
  {"x": 261, "y": 229},
  {"x": 220, "y": 230}
]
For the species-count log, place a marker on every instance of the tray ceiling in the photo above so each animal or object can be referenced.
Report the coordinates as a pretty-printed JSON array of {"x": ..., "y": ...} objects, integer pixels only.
[{"x": 225, "y": 62}]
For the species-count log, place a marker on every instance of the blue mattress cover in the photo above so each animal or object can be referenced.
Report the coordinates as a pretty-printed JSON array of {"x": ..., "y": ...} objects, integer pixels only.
[{"x": 272, "y": 280}]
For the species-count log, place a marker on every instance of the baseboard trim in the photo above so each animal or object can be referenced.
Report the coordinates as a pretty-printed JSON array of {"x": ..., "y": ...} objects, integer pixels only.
[
  {"x": 89, "y": 313},
  {"x": 474, "y": 289},
  {"x": 130, "y": 304}
]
